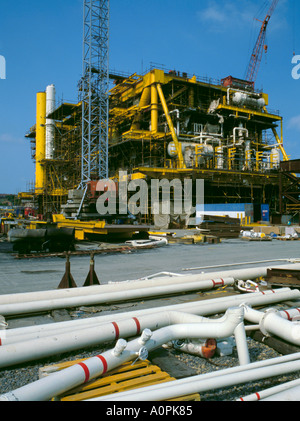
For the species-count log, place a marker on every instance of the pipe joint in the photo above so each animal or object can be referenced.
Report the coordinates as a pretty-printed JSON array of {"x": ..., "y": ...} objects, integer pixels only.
[
  {"x": 142, "y": 354},
  {"x": 119, "y": 348},
  {"x": 145, "y": 337},
  {"x": 235, "y": 315},
  {"x": 263, "y": 319}
]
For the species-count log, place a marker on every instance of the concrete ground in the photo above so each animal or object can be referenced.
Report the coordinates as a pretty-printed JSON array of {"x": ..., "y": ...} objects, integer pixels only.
[{"x": 38, "y": 274}]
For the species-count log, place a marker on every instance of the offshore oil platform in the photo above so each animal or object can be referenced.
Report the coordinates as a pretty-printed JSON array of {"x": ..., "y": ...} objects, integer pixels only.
[{"x": 163, "y": 124}]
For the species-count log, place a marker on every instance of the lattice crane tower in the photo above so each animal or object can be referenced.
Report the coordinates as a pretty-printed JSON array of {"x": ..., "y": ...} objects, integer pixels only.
[{"x": 94, "y": 91}]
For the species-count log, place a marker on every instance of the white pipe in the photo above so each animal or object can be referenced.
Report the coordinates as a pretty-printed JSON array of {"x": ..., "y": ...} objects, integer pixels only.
[
  {"x": 25, "y": 348},
  {"x": 269, "y": 392},
  {"x": 243, "y": 274},
  {"x": 291, "y": 314},
  {"x": 240, "y": 129},
  {"x": 241, "y": 264},
  {"x": 209, "y": 381},
  {"x": 22, "y": 351},
  {"x": 205, "y": 307},
  {"x": 200, "y": 308},
  {"x": 203, "y": 348},
  {"x": 64, "y": 380},
  {"x": 291, "y": 394},
  {"x": 50, "y": 129},
  {"x": 272, "y": 322},
  {"x": 46, "y": 305},
  {"x": 214, "y": 376}
]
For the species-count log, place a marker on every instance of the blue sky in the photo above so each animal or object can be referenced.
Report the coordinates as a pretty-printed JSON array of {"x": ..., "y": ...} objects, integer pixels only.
[{"x": 42, "y": 44}]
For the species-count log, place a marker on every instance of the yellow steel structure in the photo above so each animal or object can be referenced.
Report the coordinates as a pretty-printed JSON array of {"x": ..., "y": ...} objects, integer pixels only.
[
  {"x": 82, "y": 228},
  {"x": 40, "y": 142},
  {"x": 171, "y": 124}
]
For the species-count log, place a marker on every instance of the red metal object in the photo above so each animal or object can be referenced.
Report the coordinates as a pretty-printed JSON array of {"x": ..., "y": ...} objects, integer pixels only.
[
  {"x": 233, "y": 82},
  {"x": 256, "y": 55},
  {"x": 29, "y": 212}
]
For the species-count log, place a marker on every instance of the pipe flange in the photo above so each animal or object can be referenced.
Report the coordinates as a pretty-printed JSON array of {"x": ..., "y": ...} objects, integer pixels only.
[
  {"x": 262, "y": 321},
  {"x": 143, "y": 353}
]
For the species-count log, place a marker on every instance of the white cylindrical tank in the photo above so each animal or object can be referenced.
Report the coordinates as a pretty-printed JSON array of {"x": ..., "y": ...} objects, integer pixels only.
[
  {"x": 220, "y": 157},
  {"x": 275, "y": 158},
  {"x": 50, "y": 129},
  {"x": 240, "y": 99},
  {"x": 172, "y": 149}
]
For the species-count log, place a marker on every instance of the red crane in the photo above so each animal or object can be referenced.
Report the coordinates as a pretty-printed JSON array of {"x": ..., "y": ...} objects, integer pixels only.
[{"x": 251, "y": 73}]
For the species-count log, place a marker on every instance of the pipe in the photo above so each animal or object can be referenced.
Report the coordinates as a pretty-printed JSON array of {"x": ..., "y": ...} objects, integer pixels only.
[
  {"x": 239, "y": 129},
  {"x": 246, "y": 286},
  {"x": 170, "y": 124},
  {"x": 205, "y": 349},
  {"x": 241, "y": 264},
  {"x": 92, "y": 290},
  {"x": 50, "y": 128},
  {"x": 16, "y": 350},
  {"x": 144, "y": 102},
  {"x": 154, "y": 109},
  {"x": 64, "y": 380},
  {"x": 242, "y": 274},
  {"x": 176, "y": 111},
  {"x": 29, "y": 350},
  {"x": 47, "y": 305},
  {"x": 205, "y": 382},
  {"x": 200, "y": 308},
  {"x": 291, "y": 394},
  {"x": 261, "y": 395},
  {"x": 202, "y": 379},
  {"x": 272, "y": 323},
  {"x": 280, "y": 144}
]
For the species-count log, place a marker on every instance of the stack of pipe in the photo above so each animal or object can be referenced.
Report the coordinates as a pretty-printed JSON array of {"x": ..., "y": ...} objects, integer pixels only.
[
  {"x": 180, "y": 321},
  {"x": 26, "y": 303}
]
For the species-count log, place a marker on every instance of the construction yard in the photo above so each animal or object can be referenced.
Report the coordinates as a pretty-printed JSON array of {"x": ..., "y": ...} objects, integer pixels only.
[{"x": 228, "y": 257}]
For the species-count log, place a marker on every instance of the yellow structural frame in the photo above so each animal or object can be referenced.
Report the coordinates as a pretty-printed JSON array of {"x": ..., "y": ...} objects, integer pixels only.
[{"x": 149, "y": 87}]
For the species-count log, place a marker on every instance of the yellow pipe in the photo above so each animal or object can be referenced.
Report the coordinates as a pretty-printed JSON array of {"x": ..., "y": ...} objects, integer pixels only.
[
  {"x": 280, "y": 141},
  {"x": 171, "y": 127},
  {"x": 154, "y": 109},
  {"x": 40, "y": 142},
  {"x": 144, "y": 101},
  {"x": 191, "y": 97}
]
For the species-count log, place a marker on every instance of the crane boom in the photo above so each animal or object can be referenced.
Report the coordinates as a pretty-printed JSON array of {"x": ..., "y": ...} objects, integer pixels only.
[{"x": 256, "y": 55}]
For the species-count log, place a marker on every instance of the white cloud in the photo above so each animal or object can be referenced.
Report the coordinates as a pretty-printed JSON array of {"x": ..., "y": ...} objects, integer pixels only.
[
  {"x": 294, "y": 123},
  {"x": 227, "y": 13},
  {"x": 238, "y": 14}
]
